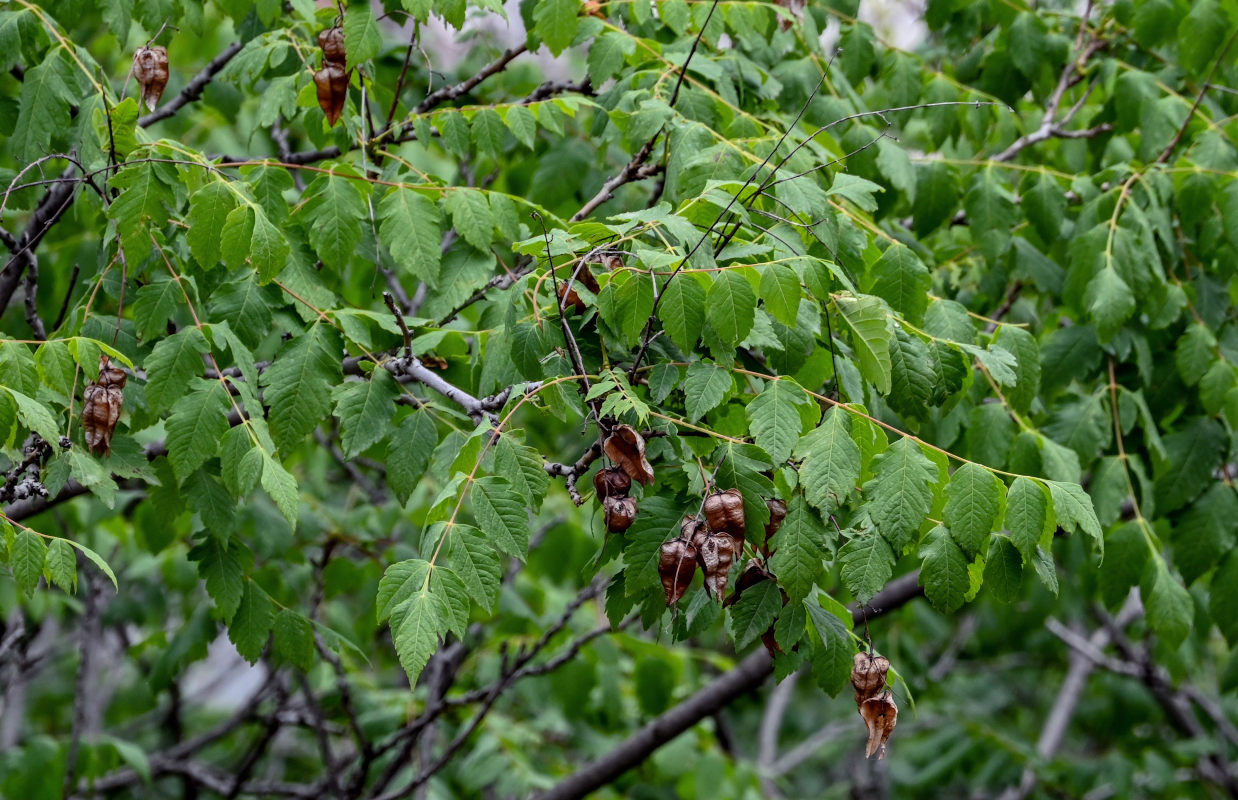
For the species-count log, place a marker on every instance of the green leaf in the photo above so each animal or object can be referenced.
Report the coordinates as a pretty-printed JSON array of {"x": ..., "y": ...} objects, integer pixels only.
[
  {"x": 870, "y": 335},
  {"x": 46, "y": 98},
  {"x": 682, "y": 311},
  {"x": 1074, "y": 512},
  {"x": 657, "y": 521},
  {"x": 363, "y": 38},
  {"x": 26, "y": 555},
  {"x": 332, "y": 213},
  {"x": 730, "y": 307},
  {"x": 780, "y": 292},
  {"x": 197, "y": 422},
  {"x": 209, "y": 208},
  {"x": 522, "y": 466},
  {"x": 867, "y": 564},
  {"x": 943, "y": 573},
  {"x": 1223, "y": 603},
  {"x": 1027, "y": 514},
  {"x": 248, "y": 236},
  {"x": 171, "y": 365},
  {"x": 411, "y": 227},
  {"x": 474, "y": 559},
  {"x": 416, "y": 613},
  {"x": 502, "y": 515},
  {"x": 297, "y": 386},
  {"x": 754, "y": 613},
  {"x": 1003, "y": 570},
  {"x": 1191, "y": 455},
  {"x": 831, "y": 466},
  {"x": 555, "y": 21},
  {"x": 294, "y": 639},
  {"x": 626, "y": 303},
  {"x": 1169, "y": 605},
  {"x": 902, "y": 280},
  {"x": 471, "y": 216},
  {"x": 408, "y": 453},
  {"x": 61, "y": 565},
  {"x": 365, "y": 409},
  {"x": 912, "y": 386},
  {"x": 219, "y": 564},
  {"x": 35, "y": 416},
  {"x": 282, "y": 487},
  {"x": 801, "y": 550},
  {"x": 156, "y": 304},
  {"x": 832, "y": 648},
  {"x": 1205, "y": 533},
  {"x": 973, "y": 500},
  {"x": 250, "y": 626},
  {"x": 774, "y": 418},
  {"x": 900, "y": 495},
  {"x": 706, "y": 386},
  {"x": 1110, "y": 302}
]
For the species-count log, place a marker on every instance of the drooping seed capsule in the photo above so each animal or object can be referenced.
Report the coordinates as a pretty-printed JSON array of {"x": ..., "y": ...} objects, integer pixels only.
[
  {"x": 693, "y": 530},
  {"x": 150, "y": 69},
  {"x": 868, "y": 675},
  {"x": 626, "y": 448},
  {"x": 104, "y": 397},
  {"x": 332, "y": 84},
  {"x": 777, "y": 513},
  {"x": 880, "y": 714},
  {"x": 611, "y": 482},
  {"x": 676, "y": 565},
  {"x": 331, "y": 41},
  {"x": 716, "y": 555},
  {"x": 724, "y": 511},
  {"x": 620, "y": 512}
]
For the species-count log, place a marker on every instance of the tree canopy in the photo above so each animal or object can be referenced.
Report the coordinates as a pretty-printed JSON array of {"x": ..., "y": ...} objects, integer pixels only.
[{"x": 559, "y": 397}]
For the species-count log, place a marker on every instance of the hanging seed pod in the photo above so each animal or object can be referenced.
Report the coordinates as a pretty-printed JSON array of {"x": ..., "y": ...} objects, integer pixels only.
[
  {"x": 583, "y": 276},
  {"x": 777, "y": 513},
  {"x": 626, "y": 448},
  {"x": 796, "y": 7},
  {"x": 880, "y": 715},
  {"x": 724, "y": 511},
  {"x": 716, "y": 555},
  {"x": 771, "y": 644},
  {"x": 693, "y": 530},
  {"x": 150, "y": 69},
  {"x": 331, "y": 40},
  {"x": 611, "y": 482},
  {"x": 868, "y": 675},
  {"x": 676, "y": 565},
  {"x": 104, "y": 397},
  {"x": 332, "y": 84},
  {"x": 753, "y": 574},
  {"x": 620, "y": 512}
]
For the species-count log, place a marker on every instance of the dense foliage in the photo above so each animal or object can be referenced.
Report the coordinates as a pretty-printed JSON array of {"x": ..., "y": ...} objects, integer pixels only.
[{"x": 331, "y": 394}]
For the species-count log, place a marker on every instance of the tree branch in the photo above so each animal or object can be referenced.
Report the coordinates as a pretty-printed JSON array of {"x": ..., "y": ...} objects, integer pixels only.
[{"x": 744, "y": 677}]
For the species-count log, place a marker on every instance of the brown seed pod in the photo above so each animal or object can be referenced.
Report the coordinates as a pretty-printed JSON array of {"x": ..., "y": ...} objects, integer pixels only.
[
  {"x": 104, "y": 397},
  {"x": 771, "y": 644},
  {"x": 332, "y": 84},
  {"x": 753, "y": 574},
  {"x": 693, "y": 530},
  {"x": 611, "y": 482},
  {"x": 724, "y": 511},
  {"x": 620, "y": 512},
  {"x": 868, "y": 675},
  {"x": 676, "y": 566},
  {"x": 150, "y": 69},
  {"x": 880, "y": 715},
  {"x": 796, "y": 7},
  {"x": 583, "y": 276},
  {"x": 777, "y": 513},
  {"x": 331, "y": 40},
  {"x": 626, "y": 448},
  {"x": 716, "y": 555}
]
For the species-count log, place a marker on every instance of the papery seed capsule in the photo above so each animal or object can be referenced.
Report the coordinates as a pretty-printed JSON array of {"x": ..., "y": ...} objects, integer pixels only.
[
  {"x": 620, "y": 512},
  {"x": 676, "y": 565},
  {"x": 103, "y": 397},
  {"x": 150, "y": 69},
  {"x": 880, "y": 716},
  {"x": 693, "y": 530},
  {"x": 331, "y": 40},
  {"x": 868, "y": 675},
  {"x": 626, "y": 448},
  {"x": 724, "y": 511},
  {"x": 611, "y": 482},
  {"x": 332, "y": 84},
  {"x": 716, "y": 555}
]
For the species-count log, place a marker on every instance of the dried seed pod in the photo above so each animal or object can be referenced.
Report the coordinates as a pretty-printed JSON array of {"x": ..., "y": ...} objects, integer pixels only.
[
  {"x": 693, "y": 530},
  {"x": 104, "y": 397},
  {"x": 771, "y": 644},
  {"x": 150, "y": 69},
  {"x": 332, "y": 84},
  {"x": 868, "y": 675},
  {"x": 724, "y": 511},
  {"x": 880, "y": 715},
  {"x": 611, "y": 482},
  {"x": 583, "y": 276},
  {"x": 620, "y": 512},
  {"x": 796, "y": 7},
  {"x": 676, "y": 565},
  {"x": 626, "y": 448},
  {"x": 716, "y": 555},
  {"x": 331, "y": 40},
  {"x": 753, "y": 574},
  {"x": 777, "y": 513}
]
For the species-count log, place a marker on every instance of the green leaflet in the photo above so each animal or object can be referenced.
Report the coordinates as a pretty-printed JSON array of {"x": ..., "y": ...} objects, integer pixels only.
[
  {"x": 332, "y": 213},
  {"x": 362, "y": 36},
  {"x": 682, "y": 311},
  {"x": 171, "y": 365},
  {"x": 899, "y": 495},
  {"x": 502, "y": 515},
  {"x": 902, "y": 280},
  {"x": 730, "y": 306},
  {"x": 365, "y": 409},
  {"x": 780, "y": 292},
  {"x": 867, "y": 564},
  {"x": 198, "y": 421},
  {"x": 831, "y": 461},
  {"x": 706, "y": 386},
  {"x": 870, "y": 337},
  {"x": 774, "y": 417},
  {"x": 297, "y": 386},
  {"x": 943, "y": 573},
  {"x": 250, "y": 626},
  {"x": 26, "y": 556},
  {"x": 801, "y": 550},
  {"x": 408, "y": 453},
  {"x": 209, "y": 208},
  {"x": 294, "y": 639},
  {"x": 1027, "y": 514},
  {"x": 416, "y": 613},
  {"x": 973, "y": 502},
  {"x": 555, "y": 22},
  {"x": 474, "y": 559},
  {"x": 411, "y": 227},
  {"x": 471, "y": 216},
  {"x": 754, "y": 613}
]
